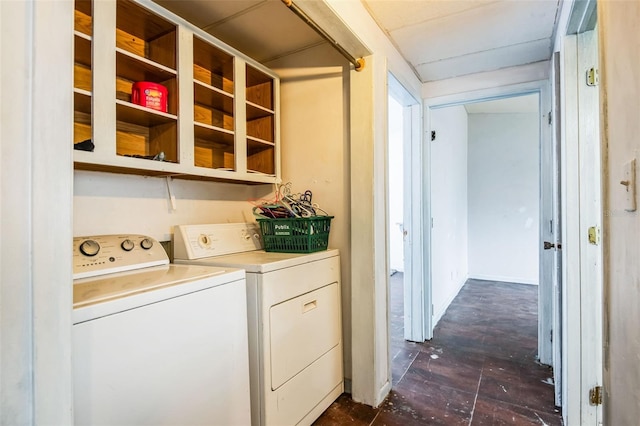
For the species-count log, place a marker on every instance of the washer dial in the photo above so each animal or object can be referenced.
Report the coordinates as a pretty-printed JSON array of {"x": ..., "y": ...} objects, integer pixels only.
[
  {"x": 204, "y": 241},
  {"x": 146, "y": 244},
  {"x": 127, "y": 245},
  {"x": 89, "y": 248}
]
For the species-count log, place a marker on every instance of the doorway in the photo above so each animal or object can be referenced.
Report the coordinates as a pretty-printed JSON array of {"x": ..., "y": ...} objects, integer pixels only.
[
  {"x": 406, "y": 212},
  {"x": 485, "y": 195},
  {"x": 457, "y": 273}
]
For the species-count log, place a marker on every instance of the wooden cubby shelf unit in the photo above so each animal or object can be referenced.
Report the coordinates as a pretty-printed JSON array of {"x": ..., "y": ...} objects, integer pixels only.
[{"x": 221, "y": 117}]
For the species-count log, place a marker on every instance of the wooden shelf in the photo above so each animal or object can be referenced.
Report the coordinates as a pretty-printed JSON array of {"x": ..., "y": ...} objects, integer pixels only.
[
  {"x": 261, "y": 161},
  {"x": 211, "y": 97},
  {"x": 83, "y": 22},
  {"x": 82, "y": 49},
  {"x": 136, "y": 114},
  {"x": 261, "y": 128},
  {"x": 214, "y": 156},
  {"x": 256, "y": 111},
  {"x": 82, "y": 101},
  {"x": 259, "y": 89},
  {"x": 212, "y": 66},
  {"x": 138, "y": 68},
  {"x": 143, "y": 33},
  {"x": 210, "y": 134},
  {"x": 259, "y": 143}
]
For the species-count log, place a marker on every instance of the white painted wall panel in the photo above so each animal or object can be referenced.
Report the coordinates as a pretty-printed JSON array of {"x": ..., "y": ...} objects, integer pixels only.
[
  {"x": 108, "y": 203},
  {"x": 315, "y": 148},
  {"x": 36, "y": 74},
  {"x": 619, "y": 46},
  {"x": 477, "y": 86},
  {"x": 448, "y": 206},
  {"x": 504, "y": 197}
]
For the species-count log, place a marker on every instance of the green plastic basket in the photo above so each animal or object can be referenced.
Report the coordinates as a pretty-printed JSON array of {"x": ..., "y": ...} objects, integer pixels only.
[{"x": 296, "y": 235}]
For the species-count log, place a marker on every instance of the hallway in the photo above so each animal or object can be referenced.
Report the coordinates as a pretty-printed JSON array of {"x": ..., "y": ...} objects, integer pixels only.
[{"x": 480, "y": 368}]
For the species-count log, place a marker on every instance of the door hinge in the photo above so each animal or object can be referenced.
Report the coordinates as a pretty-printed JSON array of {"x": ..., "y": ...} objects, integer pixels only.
[
  {"x": 592, "y": 77},
  {"x": 433, "y": 135},
  {"x": 595, "y": 395},
  {"x": 594, "y": 235},
  {"x": 550, "y": 118}
]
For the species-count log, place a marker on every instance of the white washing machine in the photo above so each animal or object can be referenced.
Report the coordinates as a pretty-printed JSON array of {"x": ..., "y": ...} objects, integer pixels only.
[
  {"x": 294, "y": 313},
  {"x": 156, "y": 343}
]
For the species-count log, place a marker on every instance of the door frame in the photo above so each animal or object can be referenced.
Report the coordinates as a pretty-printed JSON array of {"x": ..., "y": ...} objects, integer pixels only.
[
  {"x": 582, "y": 261},
  {"x": 545, "y": 289},
  {"x": 416, "y": 300}
]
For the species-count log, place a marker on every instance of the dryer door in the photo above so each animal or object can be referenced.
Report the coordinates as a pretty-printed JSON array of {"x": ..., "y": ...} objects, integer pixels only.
[{"x": 303, "y": 329}]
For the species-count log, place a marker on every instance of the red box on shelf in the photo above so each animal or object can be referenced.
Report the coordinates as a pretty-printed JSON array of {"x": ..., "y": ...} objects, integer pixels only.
[{"x": 150, "y": 95}]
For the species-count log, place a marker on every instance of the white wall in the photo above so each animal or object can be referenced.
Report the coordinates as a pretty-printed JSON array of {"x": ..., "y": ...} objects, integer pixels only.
[
  {"x": 504, "y": 197},
  {"x": 620, "y": 125},
  {"x": 36, "y": 105},
  {"x": 368, "y": 152},
  {"x": 475, "y": 83},
  {"x": 315, "y": 147},
  {"x": 448, "y": 206},
  {"x": 108, "y": 203}
]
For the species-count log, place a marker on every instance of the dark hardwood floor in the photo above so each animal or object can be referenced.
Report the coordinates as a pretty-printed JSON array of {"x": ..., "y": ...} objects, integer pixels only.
[{"x": 479, "y": 369}]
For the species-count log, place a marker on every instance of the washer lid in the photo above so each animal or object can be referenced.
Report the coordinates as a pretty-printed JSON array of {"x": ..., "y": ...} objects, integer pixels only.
[
  {"x": 108, "y": 294},
  {"x": 260, "y": 261}
]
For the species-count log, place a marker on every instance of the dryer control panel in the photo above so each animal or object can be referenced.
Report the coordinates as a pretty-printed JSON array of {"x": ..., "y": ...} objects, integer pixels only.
[
  {"x": 106, "y": 254},
  {"x": 217, "y": 239}
]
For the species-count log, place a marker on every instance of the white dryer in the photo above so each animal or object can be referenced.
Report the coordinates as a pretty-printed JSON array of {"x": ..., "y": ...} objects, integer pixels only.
[
  {"x": 156, "y": 343},
  {"x": 294, "y": 319}
]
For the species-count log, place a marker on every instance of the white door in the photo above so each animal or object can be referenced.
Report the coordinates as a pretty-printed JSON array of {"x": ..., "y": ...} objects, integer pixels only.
[{"x": 557, "y": 218}]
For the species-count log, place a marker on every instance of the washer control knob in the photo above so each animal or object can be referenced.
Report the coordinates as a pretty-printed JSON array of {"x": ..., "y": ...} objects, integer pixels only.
[
  {"x": 204, "y": 241},
  {"x": 89, "y": 247},
  {"x": 127, "y": 245},
  {"x": 146, "y": 244}
]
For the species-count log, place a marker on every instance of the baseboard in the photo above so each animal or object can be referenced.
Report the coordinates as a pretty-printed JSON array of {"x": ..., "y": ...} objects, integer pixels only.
[
  {"x": 383, "y": 394},
  {"x": 347, "y": 385},
  {"x": 503, "y": 279},
  {"x": 439, "y": 311}
]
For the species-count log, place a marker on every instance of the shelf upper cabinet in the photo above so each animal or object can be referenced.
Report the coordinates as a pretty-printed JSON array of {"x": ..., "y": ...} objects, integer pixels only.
[
  {"x": 156, "y": 95},
  {"x": 82, "y": 75}
]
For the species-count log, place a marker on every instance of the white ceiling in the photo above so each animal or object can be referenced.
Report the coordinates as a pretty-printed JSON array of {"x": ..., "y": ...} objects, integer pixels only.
[
  {"x": 439, "y": 38},
  {"x": 450, "y": 38}
]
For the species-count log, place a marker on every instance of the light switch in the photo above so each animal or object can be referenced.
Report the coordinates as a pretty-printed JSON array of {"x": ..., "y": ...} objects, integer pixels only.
[{"x": 629, "y": 182}]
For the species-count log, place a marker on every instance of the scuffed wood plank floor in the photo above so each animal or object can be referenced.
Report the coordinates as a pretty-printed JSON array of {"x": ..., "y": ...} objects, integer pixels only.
[{"x": 479, "y": 369}]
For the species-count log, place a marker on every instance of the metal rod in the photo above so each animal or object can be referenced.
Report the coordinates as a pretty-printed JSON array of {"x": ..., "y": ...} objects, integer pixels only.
[{"x": 357, "y": 62}]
